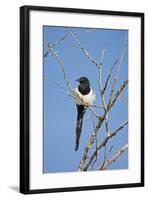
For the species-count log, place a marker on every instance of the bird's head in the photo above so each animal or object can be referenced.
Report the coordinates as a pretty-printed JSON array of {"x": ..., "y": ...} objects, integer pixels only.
[{"x": 83, "y": 80}]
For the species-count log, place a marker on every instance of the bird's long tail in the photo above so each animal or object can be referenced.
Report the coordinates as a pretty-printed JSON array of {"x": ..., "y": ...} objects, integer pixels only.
[{"x": 81, "y": 111}]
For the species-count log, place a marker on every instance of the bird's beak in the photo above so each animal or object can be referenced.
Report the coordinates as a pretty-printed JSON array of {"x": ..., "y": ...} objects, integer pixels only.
[{"x": 77, "y": 80}]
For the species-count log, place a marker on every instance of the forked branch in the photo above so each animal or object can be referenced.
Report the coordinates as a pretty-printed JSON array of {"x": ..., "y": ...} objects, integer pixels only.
[
  {"x": 113, "y": 134},
  {"x": 114, "y": 158}
]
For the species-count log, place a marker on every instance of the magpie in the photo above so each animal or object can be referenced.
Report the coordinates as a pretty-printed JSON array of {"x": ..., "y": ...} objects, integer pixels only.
[{"x": 85, "y": 97}]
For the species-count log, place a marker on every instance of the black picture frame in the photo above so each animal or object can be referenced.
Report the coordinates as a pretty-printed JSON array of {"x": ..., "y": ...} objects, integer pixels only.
[{"x": 25, "y": 91}]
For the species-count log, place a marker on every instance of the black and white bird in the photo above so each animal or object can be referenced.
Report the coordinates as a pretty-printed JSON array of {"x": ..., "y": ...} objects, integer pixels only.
[{"x": 85, "y": 97}]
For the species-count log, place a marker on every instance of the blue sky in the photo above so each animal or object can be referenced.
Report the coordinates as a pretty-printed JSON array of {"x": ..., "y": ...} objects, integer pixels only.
[{"x": 60, "y": 110}]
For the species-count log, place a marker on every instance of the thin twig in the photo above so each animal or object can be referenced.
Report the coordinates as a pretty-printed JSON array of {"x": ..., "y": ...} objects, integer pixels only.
[
  {"x": 117, "y": 64},
  {"x": 96, "y": 146},
  {"x": 107, "y": 80},
  {"x": 93, "y": 111},
  {"x": 83, "y": 49},
  {"x": 91, "y": 118},
  {"x": 53, "y": 45},
  {"x": 62, "y": 68},
  {"x": 113, "y": 159},
  {"x": 117, "y": 94},
  {"x": 104, "y": 160},
  {"x": 87, "y": 147},
  {"x": 60, "y": 86},
  {"x": 102, "y": 55},
  {"x": 102, "y": 94}
]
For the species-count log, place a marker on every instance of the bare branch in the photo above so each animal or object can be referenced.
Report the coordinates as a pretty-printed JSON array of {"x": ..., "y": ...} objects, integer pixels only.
[
  {"x": 117, "y": 64},
  {"x": 83, "y": 49},
  {"x": 107, "y": 80},
  {"x": 117, "y": 94},
  {"x": 88, "y": 146},
  {"x": 105, "y": 157},
  {"x": 96, "y": 146},
  {"x": 93, "y": 111},
  {"x": 91, "y": 116},
  {"x": 102, "y": 55},
  {"x": 102, "y": 145},
  {"x": 102, "y": 94},
  {"x": 110, "y": 150},
  {"x": 62, "y": 68},
  {"x": 53, "y": 45},
  {"x": 60, "y": 86},
  {"x": 113, "y": 159},
  {"x": 97, "y": 106},
  {"x": 104, "y": 160}
]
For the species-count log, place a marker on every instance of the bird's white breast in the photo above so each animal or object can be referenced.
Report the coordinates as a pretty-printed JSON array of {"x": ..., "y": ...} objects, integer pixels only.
[{"x": 88, "y": 99}]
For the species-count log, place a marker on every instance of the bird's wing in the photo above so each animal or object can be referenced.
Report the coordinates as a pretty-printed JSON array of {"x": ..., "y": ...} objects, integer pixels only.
[
  {"x": 88, "y": 99},
  {"x": 78, "y": 96}
]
